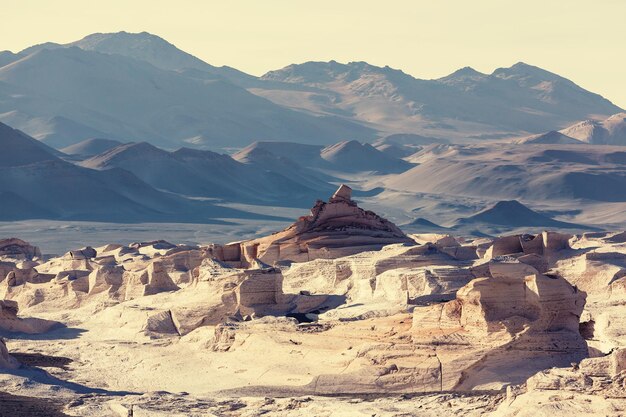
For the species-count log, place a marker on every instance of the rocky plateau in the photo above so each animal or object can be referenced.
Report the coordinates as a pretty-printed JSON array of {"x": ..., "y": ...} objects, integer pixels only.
[{"x": 341, "y": 313}]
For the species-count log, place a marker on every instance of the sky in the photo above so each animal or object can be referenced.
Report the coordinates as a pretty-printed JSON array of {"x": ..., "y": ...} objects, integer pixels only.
[{"x": 578, "y": 39}]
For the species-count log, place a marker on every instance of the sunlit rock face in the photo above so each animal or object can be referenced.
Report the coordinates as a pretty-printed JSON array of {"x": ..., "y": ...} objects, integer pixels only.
[
  {"x": 10, "y": 322},
  {"x": 333, "y": 229},
  {"x": 17, "y": 249},
  {"x": 431, "y": 314},
  {"x": 500, "y": 329}
]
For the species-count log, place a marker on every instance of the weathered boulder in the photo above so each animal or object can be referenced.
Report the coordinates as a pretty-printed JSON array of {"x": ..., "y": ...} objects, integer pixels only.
[
  {"x": 84, "y": 253},
  {"x": 10, "y": 322},
  {"x": 106, "y": 278},
  {"x": 161, "y": 323},
  {"x": 14, "y": 248},
  {"x": 151, "y": 280}
]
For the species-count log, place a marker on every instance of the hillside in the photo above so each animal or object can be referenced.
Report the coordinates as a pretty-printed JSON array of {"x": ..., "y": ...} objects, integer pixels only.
[
  {"x": 197, "y": 173},
  {"x": 610, "y": 131},
  {"x": 521, "y": 98},
  {"x": 522, "y": 172},
  {"x": 35, "y": 183},
  {"x": 58, "y": 102},
  {"x": 512, "y": 214},
  {"x": 91, "y": 147},
  {"x": 353, "y": 156},
  {"x": 20, "y": 149},
  {"x": 552, "y": 137}
]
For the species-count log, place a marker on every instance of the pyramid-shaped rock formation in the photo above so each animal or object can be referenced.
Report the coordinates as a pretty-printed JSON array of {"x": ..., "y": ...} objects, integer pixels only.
[{"x": 333, "y": 229}]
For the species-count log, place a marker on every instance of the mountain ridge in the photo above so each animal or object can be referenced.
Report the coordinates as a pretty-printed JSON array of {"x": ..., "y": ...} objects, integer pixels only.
[
  {"x": 318, "y": 102},
  {"x": 40, "y": 184}
]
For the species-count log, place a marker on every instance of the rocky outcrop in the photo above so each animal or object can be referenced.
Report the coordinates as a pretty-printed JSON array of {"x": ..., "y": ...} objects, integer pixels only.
[
  {"x": 543, "y": 244},
  {"x": 398, "y": 275},
  {"x": 10, "y": 322},
  {"x": 333, "y": 229},
  {"x": 596, "y": 386},
  {"x": 84, "y": 253},
  {"x": 18, "y": 249},
  {"x": 152, "y": 280},
  {"x": 515, "y": 317},
  {"x": 439, "y": 314}
]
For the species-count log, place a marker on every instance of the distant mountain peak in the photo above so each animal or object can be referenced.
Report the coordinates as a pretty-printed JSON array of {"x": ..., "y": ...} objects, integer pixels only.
[
  {"x": 551, "y": 137},
  {"x": 512, "y": 213},
  {"x": 319, "y": 72},
  {"x": 92, "y": 41},
  {"x": 466, "y": 72},
  {"x": 510, "y": 206},
  {"x": 91, "y": 147},
  {"x": 621, "y": 117},
  {"x": 40, "y": 47},
  {"x": 522, "y": 69},
  {"x": 144, "y": 46},
  {"x": 522, "y": 65},
  {"x": 610, "y": 131}
]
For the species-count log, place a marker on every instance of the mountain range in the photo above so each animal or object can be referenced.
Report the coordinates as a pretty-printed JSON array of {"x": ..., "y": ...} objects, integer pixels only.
[
  {"x": 137, "y": 181},
  {"x": 35, "y": 183},
  {"x": 520, "y": 98},
  {"x": 138, "y": 87},
  {"x": 206, "y": 174}
]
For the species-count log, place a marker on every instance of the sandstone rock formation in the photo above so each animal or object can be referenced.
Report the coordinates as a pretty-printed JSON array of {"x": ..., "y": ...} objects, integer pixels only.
[
  {"x": 17, "y": 249},
  {"x": 432, "y": 313},
  {"x": 333, "y": 229},
  {"x": 596, "y": 386},
  {"x": 10, "y": 322}
]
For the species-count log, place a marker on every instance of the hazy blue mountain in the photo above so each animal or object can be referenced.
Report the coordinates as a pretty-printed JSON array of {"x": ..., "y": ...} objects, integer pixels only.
[
  {"x": 139, "y": 87},
  {"x": 35, "y": 183},
  {"x": 512, "y": 213},
  {"x": 63, "y": 96},
  {"x": 155, "y": 50},
  {"x": 201, "y": 173},
  {"x": 91, "y": 147}
]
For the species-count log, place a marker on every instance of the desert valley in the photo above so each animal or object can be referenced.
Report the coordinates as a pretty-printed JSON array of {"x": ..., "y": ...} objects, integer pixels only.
[
  {"x": 339, "y": 311},
  {"x": 327, "y": 239}
]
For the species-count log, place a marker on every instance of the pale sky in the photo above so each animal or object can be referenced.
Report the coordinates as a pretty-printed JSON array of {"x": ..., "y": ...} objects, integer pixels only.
[{"x": 582, "y": 40}]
